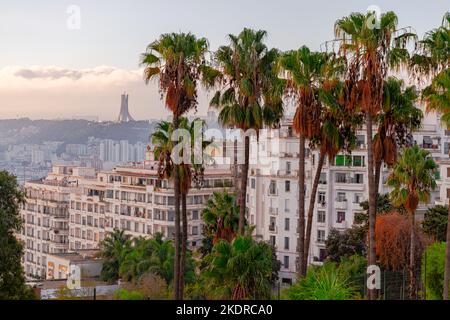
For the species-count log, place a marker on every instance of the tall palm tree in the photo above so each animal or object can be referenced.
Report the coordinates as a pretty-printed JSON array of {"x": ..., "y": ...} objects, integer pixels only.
[
  {"x": 250, "y": 95},
  {"x": 176, "y": 60},
  {"x": 189, "y": 172},
  {"x": 398, "y": 118},
  {"x": 310, "y": 75},
  {"x": 370, "y": 50},
  {"x": 433, "y": 59},
  {"x": 412, "y": 179},
  {"x": 221, "y": 217}
]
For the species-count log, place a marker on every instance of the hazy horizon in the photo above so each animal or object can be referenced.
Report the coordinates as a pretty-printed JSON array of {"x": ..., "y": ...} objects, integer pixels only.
[{"x": 49, "y": 71}]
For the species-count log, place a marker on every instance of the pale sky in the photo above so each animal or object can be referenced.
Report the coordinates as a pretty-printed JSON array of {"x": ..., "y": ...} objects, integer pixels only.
[{"x": 48, "y": 70}]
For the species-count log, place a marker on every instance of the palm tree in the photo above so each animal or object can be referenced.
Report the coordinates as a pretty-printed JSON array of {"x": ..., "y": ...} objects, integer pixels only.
[
  {"x": 412, "y": 179},
  {"x": 176, "y": 60},
  {"x": 251, "y": 95},
  {"x": 398, "y": 118},
  {"x": 241, "y": 269},
  {"x": 113, "y": 250},
  {"x": 187, "y": 172},
  {"x": 369, "y": 51},
  {"x": 221, "y": 217},
  {"x": 433, "y": 59},
  {"x": 312, "y": 76}
]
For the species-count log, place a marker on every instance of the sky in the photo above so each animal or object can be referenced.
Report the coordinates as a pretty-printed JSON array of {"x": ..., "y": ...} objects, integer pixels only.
[{"x": 65, "y": 59}]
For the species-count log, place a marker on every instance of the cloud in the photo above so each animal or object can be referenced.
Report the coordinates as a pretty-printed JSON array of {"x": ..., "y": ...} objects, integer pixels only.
[{"x": 38, "y": 77}]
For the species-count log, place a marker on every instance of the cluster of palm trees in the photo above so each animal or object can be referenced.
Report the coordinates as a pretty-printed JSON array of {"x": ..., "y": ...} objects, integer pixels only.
[{"x": 335, "y": 92}]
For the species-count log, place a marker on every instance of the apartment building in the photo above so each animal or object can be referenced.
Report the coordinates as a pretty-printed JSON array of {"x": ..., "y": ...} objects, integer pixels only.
[
  {"x": 272, "y": 199},
  {"x": 46, "y": 217},
  {"x": 133, "y": 198}
]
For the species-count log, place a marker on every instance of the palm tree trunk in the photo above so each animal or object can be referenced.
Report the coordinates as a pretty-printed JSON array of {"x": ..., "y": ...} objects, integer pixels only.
[
  {"x": 184, "y": 237},
  {"x": 312, "y": 202},
  {"x": 412, "y": 260},
  {"x": 301, "y": 208},
  {"x": 243, "y": 186},
  {"x": 176, "y": 273},
  {"x": 447, "y": 260},
  {"x": 372, "y": 199},
  {"x": 377, "y": 176}
]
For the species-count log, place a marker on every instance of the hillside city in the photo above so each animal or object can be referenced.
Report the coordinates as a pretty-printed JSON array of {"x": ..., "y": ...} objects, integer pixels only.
[{"x": 313, "y": 175}]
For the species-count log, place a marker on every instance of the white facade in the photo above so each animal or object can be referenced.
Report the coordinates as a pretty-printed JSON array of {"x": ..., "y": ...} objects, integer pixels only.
[{"x": 273, "y": 190}]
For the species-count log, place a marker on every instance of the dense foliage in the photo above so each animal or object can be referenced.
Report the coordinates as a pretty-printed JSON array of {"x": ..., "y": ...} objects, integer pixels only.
[
  {"x": 433, "y": 270},
  {"x": 341, "y": 244},
  {"x": 12, "y": 279},
  {"x": 435, "y": 222}
]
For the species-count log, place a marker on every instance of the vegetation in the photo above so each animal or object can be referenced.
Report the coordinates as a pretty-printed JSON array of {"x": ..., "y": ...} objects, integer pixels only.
[
  {"x": 433, "y": 270},
  {"x": 412, "y": 179},
  {"x": 435, "y": 222},
  {"x": 250, "y": 95},
  {"x": 346, "y": 243},
  {"x": 328, "y": 282},
  {"x": 241, "y": 269},
  {"x": 393, "y": 234},
  {"x": 177, "y": 61},
  {"x": 12, "y": 279}
]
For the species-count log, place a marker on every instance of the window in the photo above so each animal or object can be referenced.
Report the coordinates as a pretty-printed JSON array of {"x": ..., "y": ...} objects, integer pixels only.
[
  {"x": 273, "y": 241},
  {"x": 359, "y": 178},
  {"x": 357, "y": 198},
  {"x": 321, "y": 216},
  {"x": 321, "y": 236},
  {"x": 287, "y": 186},
  {"x": 272, "y": 225},
  {"x": 286, "y": 262},
  {"x": 286, "y": 224},
  {"x": 194, "y": 230},
  {"x": 341, "y": 177},
  {"x": 340, "y": 216},
  {"x": 286, "y": 205},
  {"x": 448, "y": 172},
  {"x": 323, "y": 178},
  {"x": 288, "y": 167},
  {"x": 321, "y": 198},
  {"x": 286, "y": 243},
  {"x": 342, "y": 160},
  {"x": 341, "y": 197},
  {"x": 273, "y": 188},
  {"x": 195, "y": 215},
  {"x": 253, "y": 183},
  {"x": 322, "y": 254},
  {"x": 358, "y": 161},
  {"x": 448, "y": 193},
  {"x": 360, "y": 141}
]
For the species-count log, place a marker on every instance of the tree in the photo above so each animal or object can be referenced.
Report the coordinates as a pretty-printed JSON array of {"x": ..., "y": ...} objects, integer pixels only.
[
  {"x": 371, "y": 46},
  {"x": 435, "y": 222},
  {"x": 346, "y": 243},
  {"x": 312, "y": 78},
  {"x": 398, "y": 118},
  {"x": 433, "y": 59},
  {"x": 327, "y": 282},
  {"x": 412, "y": 179},
  {"x": 176, "y": 59},
  {"x": 12, "y": 279},
  {"x": 241, "y": 269},
  {"x": 113, "y": 250},
  {"x": 190, "y": 170},
  {"x": 393, "y": 232},
  {"x": 221, "y": 217},
  {"x": 433, "y": 263},
  {"x": 251, "y": 94}
]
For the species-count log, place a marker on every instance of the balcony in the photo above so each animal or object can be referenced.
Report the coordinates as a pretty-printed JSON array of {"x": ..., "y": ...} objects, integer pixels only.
[
  {"x": 341, "y": 225},
  {"x": 273, "y": 211},
  {"x": 273, "y": 228}
]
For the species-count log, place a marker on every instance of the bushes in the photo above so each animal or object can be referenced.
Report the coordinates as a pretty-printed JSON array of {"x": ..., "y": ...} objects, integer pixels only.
[
  {"x": 347, "y": 243},
  {"x": 433, "y": 270},
  {"x": 328, "y": 282}
]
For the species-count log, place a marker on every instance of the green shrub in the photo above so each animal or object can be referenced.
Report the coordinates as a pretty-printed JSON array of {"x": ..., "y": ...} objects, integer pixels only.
[{"x": 433, "y": 262}]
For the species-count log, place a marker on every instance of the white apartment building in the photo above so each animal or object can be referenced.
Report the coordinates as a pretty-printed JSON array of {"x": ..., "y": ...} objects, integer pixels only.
[
  {"x": 272, "y": 199},
  {"x": 134, "y": 199},
  {"x": 46, "y": 217}
]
